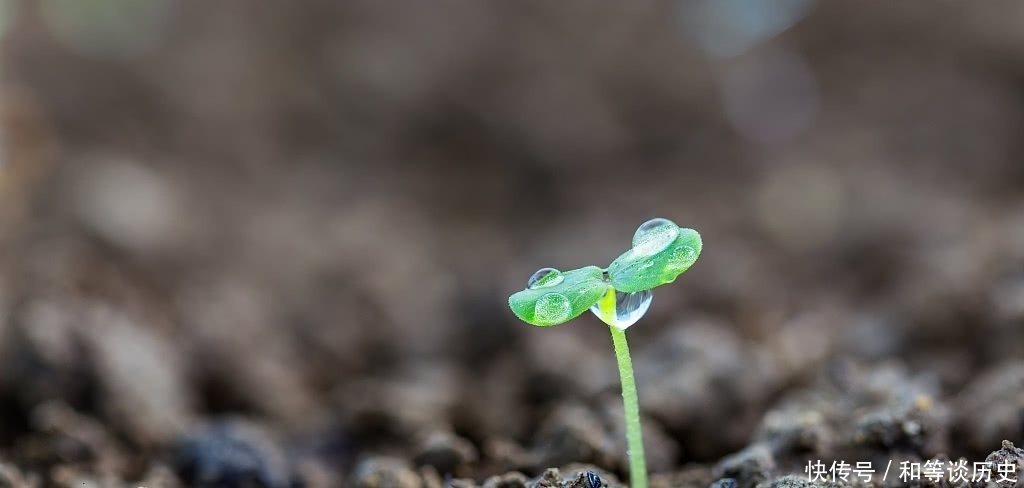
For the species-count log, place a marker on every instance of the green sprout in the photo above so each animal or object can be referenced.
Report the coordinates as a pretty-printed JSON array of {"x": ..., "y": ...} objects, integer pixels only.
[{"x": 619, "y": 295}]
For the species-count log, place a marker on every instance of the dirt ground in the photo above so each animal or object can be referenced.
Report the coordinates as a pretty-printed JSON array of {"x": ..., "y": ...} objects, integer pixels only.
[{"x": 271, "y": 243}]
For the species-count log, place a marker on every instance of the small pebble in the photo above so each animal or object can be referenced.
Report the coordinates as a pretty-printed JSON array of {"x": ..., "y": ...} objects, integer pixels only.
[{"x": 230, "y": 453}]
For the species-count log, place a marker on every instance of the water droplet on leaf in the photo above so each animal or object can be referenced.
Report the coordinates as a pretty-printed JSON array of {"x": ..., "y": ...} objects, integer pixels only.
[
  {"x": 544, "y": 278},
  {"x": 654, "y": 236},
  {"x": 552, "y": 308},
  {"x": 629, "y": 307}
]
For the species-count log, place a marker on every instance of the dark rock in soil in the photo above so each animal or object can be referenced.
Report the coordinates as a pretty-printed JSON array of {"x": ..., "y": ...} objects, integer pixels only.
[
  {"x": 230, "y": 453},
  {"x": 1008, "y": 455}
]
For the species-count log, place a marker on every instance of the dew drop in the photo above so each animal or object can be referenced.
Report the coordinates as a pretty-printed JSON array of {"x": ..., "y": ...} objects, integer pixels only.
[
  {"x": 552, "y": 308},
  {"x": 629, "y": 307},
  {"x": 654, "y": 236},
  {"x": 544, "y": 278}
]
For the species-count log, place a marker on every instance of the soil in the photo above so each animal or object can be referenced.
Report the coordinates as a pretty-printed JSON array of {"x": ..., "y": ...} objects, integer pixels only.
[{"x": 270, "y": 244}]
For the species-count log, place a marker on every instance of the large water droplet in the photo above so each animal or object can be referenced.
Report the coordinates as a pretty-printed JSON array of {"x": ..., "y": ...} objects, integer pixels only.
[
  {"x": 629, "y": 307},
  {"x": 654, "y": 236},
  {"x": 544, "y": 278},
  {"x": 552, "y": 308}
]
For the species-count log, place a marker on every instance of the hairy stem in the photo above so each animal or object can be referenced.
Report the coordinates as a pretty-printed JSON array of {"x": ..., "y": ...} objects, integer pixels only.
[{"x": 630, "y": 403}]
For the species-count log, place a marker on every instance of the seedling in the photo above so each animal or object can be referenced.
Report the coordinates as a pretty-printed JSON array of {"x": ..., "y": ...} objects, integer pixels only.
[{"x": 618, "y": 295}]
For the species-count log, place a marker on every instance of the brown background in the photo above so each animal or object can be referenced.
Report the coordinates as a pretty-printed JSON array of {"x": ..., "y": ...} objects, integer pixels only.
[{"x": 311, "y": 213}]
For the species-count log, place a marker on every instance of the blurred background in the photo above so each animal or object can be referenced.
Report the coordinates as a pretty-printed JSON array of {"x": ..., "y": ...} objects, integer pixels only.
[{"x": 289, "y": 230}]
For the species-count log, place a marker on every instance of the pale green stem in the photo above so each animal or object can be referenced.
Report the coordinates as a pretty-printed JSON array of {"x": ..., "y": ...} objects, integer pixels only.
[{"x": 630, "y": 403}]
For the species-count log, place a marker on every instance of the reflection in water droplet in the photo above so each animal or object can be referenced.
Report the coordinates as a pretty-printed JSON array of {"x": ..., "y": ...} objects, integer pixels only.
[
  {"x": 653, "y": 236},
  {"x": 544, "y": 278},
  {"x": 629, "y": 307},
  {"x": 552, "y": 308},
  {"x": 653, "y": 224}
]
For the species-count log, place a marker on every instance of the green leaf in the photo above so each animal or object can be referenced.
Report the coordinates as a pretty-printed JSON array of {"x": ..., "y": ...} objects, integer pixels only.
[
  {"x": 556, "y": 301},
  {"x": 659, "y": 255}
]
